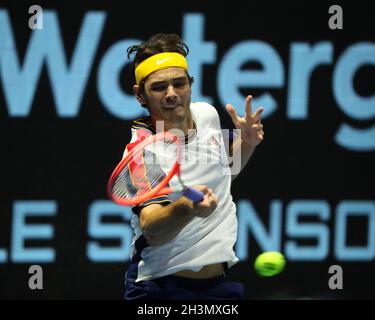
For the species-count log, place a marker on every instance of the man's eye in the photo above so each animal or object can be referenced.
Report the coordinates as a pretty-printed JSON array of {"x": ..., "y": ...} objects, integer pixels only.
[
  {"x": 158, "y": 88},
  {"x": 180, "y": 84}
]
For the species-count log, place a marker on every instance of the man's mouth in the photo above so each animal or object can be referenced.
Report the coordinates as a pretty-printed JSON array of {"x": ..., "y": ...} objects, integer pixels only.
[{"x": 172, "y": 106}]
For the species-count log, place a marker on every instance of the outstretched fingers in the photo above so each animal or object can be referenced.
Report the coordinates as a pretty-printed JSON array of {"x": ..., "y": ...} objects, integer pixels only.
[
  {"x": 257, "y": 114},
  {"x": 233, "y": 114},
  {"x": 248, "y": 108}
]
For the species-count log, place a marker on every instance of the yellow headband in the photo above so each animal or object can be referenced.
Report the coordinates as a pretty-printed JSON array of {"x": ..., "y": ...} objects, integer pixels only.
[{"x": 159, "y": 61}]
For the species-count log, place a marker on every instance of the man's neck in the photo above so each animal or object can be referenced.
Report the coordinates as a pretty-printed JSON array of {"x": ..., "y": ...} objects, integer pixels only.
[{"x": 183, "y": 126}]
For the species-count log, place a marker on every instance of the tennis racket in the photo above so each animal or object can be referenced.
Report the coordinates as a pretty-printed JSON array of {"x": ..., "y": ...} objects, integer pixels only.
[{"x": 147, "y": 169}]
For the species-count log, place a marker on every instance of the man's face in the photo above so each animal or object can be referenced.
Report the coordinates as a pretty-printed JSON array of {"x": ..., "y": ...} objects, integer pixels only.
[{"x": 168, "y": 94}]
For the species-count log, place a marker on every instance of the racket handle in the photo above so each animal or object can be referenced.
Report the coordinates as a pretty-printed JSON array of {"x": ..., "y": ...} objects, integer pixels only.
[{"x": 194, "y": 194}]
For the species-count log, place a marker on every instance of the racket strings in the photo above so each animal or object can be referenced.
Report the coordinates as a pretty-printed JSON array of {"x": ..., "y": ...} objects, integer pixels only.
[
  {"x": 130, "y": 184},
  {"x": 144, "y": 171}
]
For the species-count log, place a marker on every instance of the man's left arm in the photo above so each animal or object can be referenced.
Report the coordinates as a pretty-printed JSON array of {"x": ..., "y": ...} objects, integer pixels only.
[{"x": 251, "y": 136}]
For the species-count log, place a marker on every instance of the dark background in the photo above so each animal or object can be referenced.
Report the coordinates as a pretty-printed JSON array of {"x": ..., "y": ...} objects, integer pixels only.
[{"x": 69, "y": 159}]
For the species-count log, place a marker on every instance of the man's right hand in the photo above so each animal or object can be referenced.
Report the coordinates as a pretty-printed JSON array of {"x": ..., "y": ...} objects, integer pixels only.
[
  {"x": 205, "y": 207},
  {"x": 161, "y": 224}
]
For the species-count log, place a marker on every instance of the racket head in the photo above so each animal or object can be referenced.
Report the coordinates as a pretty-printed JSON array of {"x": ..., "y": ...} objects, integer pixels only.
[{"x": 128, "y": 185}]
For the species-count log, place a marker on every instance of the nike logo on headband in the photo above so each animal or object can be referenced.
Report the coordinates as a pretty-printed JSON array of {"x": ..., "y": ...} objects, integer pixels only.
[{"x": 162, "y": 60}]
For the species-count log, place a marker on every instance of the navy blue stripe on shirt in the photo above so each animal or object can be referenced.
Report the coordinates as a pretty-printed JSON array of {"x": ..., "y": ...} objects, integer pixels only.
[{"x": 163, "y": 200}]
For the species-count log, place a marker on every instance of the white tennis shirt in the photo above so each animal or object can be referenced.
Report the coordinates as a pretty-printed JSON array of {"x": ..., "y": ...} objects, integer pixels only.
[{"x": 203, "y": 241}]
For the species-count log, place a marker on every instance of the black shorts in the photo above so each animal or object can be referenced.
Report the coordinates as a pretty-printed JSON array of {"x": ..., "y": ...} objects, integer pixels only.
[{"x": 180, "y": 288}]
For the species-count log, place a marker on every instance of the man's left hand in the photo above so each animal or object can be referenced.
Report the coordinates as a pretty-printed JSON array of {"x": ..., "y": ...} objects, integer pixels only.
[{"x": 250, "y": 125}]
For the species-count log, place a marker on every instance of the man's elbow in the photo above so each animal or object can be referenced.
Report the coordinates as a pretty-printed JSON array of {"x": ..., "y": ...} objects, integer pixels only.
[{"x": 152, "y": 239}]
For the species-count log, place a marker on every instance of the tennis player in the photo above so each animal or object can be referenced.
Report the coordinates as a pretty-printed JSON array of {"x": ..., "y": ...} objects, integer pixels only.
[{"x": 181, "y": 249}]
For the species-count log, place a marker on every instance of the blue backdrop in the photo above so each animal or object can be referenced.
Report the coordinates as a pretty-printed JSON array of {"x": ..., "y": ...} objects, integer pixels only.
[{"x": 65, "y": 112}]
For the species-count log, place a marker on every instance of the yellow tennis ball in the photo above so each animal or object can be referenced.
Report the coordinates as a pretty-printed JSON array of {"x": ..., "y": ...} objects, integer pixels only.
[{"x": 269, "y": 263}]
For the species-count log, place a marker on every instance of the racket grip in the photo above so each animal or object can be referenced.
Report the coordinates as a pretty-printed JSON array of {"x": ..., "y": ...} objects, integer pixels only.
[{"x": 194, "y": 194}]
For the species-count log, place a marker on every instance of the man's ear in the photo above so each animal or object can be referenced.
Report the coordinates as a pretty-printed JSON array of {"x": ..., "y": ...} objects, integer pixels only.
[{"x": 138, "y": 94}]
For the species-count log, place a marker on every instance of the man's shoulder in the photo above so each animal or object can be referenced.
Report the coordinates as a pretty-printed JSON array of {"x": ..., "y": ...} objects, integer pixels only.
[
  {"x": 140, "y": 129},
  {"x": 202, "y": 105},
  {"x": 203, "y": 109},
  {"x": 205, "y": 113},
  {"x": 143, "y": 123}
]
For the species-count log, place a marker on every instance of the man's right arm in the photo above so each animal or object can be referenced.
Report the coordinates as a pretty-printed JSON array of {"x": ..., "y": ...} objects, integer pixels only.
[{"x": 160, "y": 224}]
